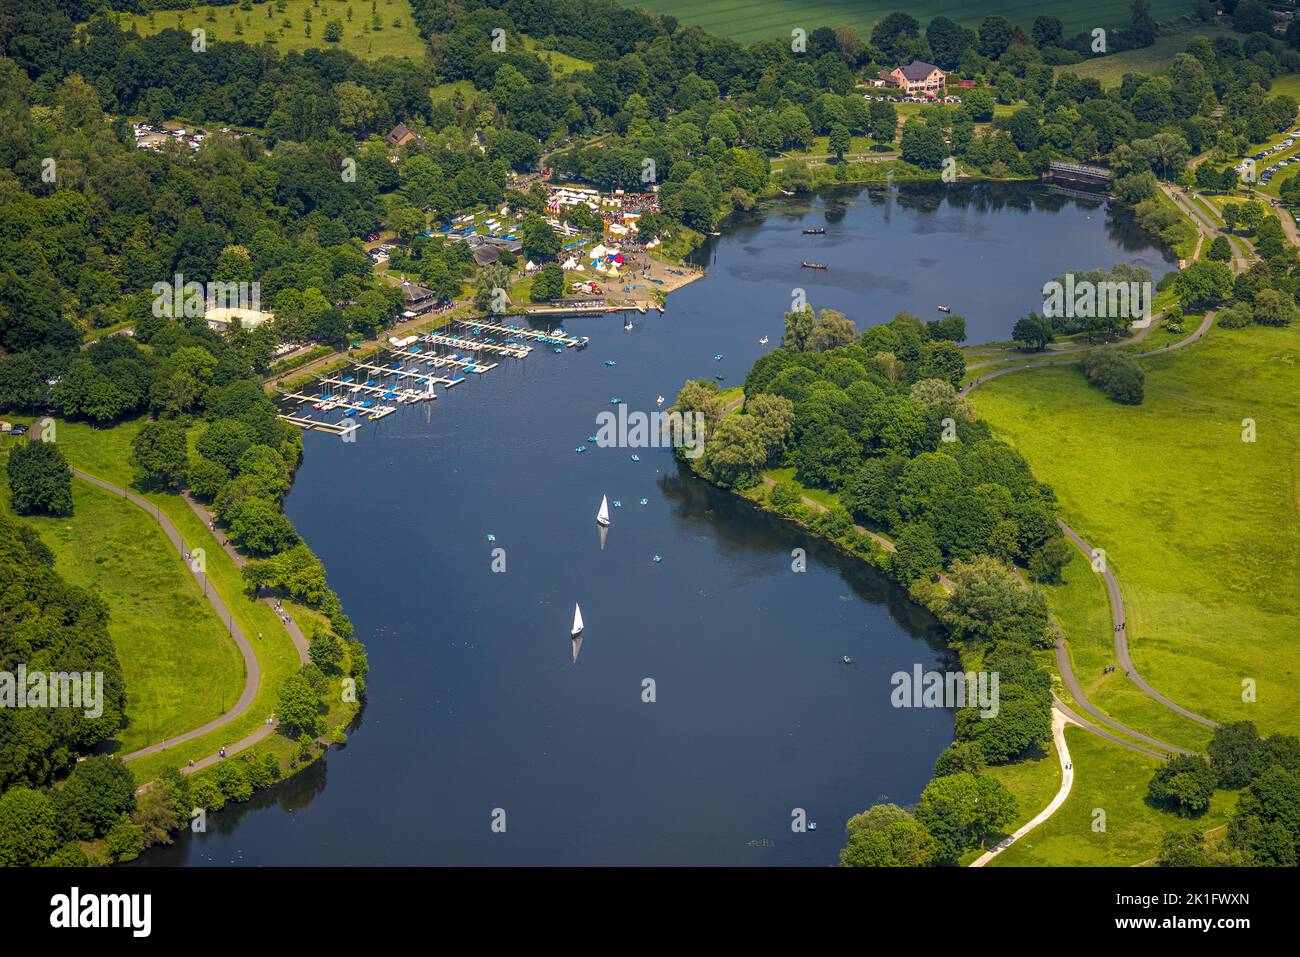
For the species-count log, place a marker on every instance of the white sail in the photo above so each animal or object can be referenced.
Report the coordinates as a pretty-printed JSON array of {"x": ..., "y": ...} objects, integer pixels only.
[
  {"x": 577, "y": 621},
  {"x": 602, "y": 516}
]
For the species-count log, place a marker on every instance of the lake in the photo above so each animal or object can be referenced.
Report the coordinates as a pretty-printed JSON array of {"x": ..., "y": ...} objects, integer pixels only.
[{"x": 477, "y": 708}]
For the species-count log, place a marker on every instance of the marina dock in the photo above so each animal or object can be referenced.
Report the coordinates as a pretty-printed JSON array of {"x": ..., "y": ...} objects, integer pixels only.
[
  {"x": 536, "y": 335},
  {"x": 405, "y": 372},
  {"x": 458, "y": 342}
]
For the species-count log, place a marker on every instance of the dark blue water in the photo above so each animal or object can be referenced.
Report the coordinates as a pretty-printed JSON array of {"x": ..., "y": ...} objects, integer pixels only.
[
  {"x": 983, "y": 250},
  {"x": 475, "y": 701}
]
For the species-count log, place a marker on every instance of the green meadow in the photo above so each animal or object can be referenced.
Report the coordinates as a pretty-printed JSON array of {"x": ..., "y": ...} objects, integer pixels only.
[
  {"x": 1105, "y": 821},
  {"x": 103, "y": 453},
  {"x": 384, "y": 28},
  {"x": 750, "y": 20},
  {"x": 181, "y": 668},
  {"x": 1171, "y": 41},
  {"x": 1198, "y": 525}
]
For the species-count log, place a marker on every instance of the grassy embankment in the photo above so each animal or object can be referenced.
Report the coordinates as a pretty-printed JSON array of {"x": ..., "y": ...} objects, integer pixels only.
[{"x": 180, "y": 667}]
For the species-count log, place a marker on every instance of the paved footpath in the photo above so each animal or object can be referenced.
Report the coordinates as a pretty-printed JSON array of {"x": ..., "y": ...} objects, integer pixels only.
[
  {"x": 291, "y": 626},
  {"x": 1059, "y": 720}
]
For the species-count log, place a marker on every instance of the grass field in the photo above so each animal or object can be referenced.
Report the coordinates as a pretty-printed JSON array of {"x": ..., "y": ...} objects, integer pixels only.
[
  {"x": 1114, "y": 781},
  {"x": 749, "y": 20},
  {"x": 1199, "y": 526},
  {"x": 103, "y": 453},
  {"x": 266, "y": 22},
  {"x": 1169, "y": 43},
  {"x": 181, "y": 668},
  {"x": 558, "y": 63}
]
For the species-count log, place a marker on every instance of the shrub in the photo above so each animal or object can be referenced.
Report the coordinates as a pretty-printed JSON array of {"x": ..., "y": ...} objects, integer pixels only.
[{"x": 1115, "y": 373}]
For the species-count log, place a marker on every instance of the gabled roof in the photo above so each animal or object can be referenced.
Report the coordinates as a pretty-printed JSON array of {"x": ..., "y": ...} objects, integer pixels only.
[
  {"x": 414, "y": 292},
  {"x": 918, "y": 70}
]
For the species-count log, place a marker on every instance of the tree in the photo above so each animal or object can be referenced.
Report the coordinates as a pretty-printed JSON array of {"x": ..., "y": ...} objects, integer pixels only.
[
  {"x": 548, "y": 283},
  {"x": 1237, "y": 754},
  {"x": 887, "y": 836},
  {"x": 124, "y": 840},
  {"x": 28, "y": 831},
  {"x": 959, "y": 810},
  {"x": 1184, "y": 784},
  {"x": 540, "y": 241},
  {"x": 299, "y": 707},
  {"x": 159, "y": 455},
  {"x": 1048, "y": 560},
  {"x": 1034, "y": 331},
  {"x": 1135, "y": 187},
  {"x": 922, "y": 145},
  {"x": 884, "y": 121},
  {"x": 326, "y": 652},
  {"x": 918, "y": 552},
  {"x": 840, "y": 140},
  {"x": 987, "y": 605},
  {"x": 1047, "y": 31},
  {"x": 97, "y": 793},
  {"x": 40, "y": 482},
  {"x": 1266, "y": 823},
  {"x": 830, "y": 330},
  {"x": 333, "y": 31},
  {"x": 1143, "y": 25},
  {"x": 1116, "y": 373},
  {"x": 258, "y": 527},
  {"x": 995, "y": 34},
  {"x": 798, "y": 328},
  {"x": 1203, "y": 283},
  {"x": 1220, "y": 250}
]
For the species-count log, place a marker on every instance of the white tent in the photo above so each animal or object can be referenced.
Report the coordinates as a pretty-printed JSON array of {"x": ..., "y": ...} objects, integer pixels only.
[
  {"x": 531, "y": 267},
  {"x": 570, "y": 263},
  {"x": 599, "y": 252}
]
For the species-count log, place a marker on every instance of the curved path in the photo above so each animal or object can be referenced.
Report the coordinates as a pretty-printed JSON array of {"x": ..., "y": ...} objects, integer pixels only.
[
  {"x": 1103, "y": 733},
  {"x": 1120, "y": 623},
  {"x": 252, "y": 669},
  {"x": 1059, "y": 720},
  {"x": 1196, "y": 335}
]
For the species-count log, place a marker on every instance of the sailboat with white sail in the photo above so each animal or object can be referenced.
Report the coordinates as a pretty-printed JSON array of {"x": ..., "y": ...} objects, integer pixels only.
[
  {"x": 602, "y": 516},
  {"x": 577, "y": 621}
]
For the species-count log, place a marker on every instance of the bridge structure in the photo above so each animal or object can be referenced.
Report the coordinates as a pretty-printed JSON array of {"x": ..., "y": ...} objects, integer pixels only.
[{"x": 1079, "y": 173}]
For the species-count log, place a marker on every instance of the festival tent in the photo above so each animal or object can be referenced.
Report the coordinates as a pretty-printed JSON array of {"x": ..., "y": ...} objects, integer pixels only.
[
  {"x": 613, "y": 272},
  {"x": 531, "y": 266},
  {"x": 652, "y": 244},
  {"x": 618, "y": 258},
  {"x": 600, "y": 252},
  {"x": 570, "y": 263}
]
